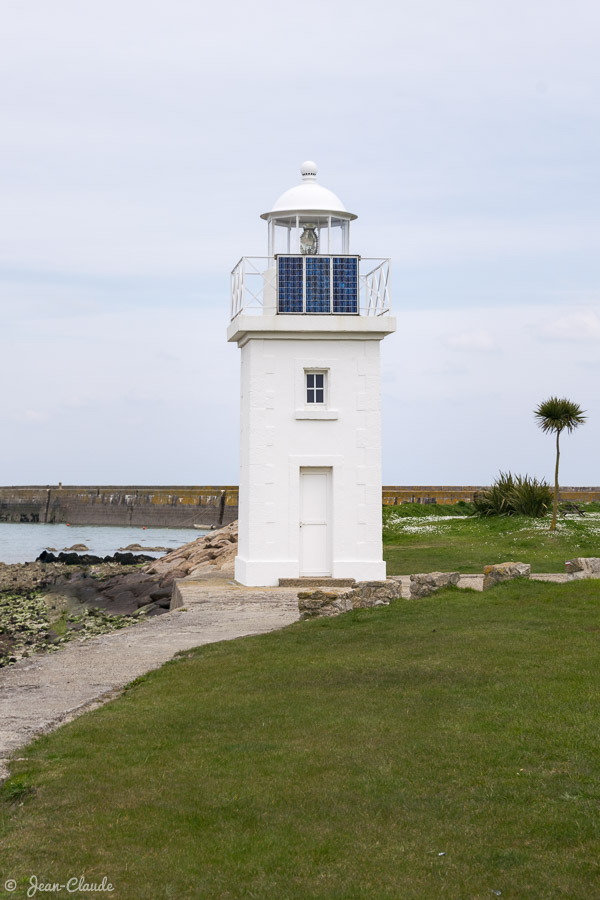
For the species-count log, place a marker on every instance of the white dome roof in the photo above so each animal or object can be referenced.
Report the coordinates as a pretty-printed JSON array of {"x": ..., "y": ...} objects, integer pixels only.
[{"x": 309, "y": 197}]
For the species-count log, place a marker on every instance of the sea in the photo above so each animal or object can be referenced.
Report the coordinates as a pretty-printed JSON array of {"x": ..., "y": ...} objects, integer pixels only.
[{"x": 23, "y": 542}]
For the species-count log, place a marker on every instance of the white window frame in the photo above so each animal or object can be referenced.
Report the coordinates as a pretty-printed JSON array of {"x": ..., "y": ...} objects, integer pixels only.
[
  {"x": 316, "y": 404},
  {"x": 304, "y": 409}
]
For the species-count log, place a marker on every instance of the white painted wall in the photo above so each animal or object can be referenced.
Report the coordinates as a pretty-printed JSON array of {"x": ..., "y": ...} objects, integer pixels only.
[{"x": 279, "y": 436}]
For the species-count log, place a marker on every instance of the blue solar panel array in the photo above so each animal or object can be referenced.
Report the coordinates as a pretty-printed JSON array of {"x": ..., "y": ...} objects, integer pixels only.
[
  {"x": 318, "y": 284},
  {"x": 345, "y": 287},
  {"x": 291, "y": 287}
]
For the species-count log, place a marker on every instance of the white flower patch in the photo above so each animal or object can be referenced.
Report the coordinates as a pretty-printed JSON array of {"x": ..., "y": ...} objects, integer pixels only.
[
  {"x": 588, "y": 524},
  {"x": 544, "y": 525},
  {"x": 423, "y": 524}
]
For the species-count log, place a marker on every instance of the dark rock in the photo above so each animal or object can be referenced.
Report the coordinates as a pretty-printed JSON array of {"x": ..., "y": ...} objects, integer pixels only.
[
  {"x": 88, "y": 559},
  {"x": 79, "y": 559},
  {"x": 131, "y": 559},
  {"x": 123, "y": 603},
  {"x": 46, "y": 557},
  {"x": 170, "y": 577},
  {"x": 153, "y": 609},
  {"x": 143, "y": 590}
]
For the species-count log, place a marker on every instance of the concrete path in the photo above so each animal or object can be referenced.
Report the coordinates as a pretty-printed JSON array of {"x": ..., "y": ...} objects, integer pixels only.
[{"x": 40, "y": 693}]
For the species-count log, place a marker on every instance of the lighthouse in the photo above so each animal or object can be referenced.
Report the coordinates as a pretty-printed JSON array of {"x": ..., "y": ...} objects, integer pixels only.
[{"x": 308, "y": 318}]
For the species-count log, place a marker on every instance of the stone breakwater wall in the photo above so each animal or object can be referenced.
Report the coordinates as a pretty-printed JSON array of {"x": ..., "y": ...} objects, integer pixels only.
[
  {"x": 176, "y": 507},
  {"x": 443, "y": 494}
]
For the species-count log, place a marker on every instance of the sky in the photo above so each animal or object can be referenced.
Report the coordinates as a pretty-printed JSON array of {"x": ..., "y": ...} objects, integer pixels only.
[{"x": 141, "y": 141}]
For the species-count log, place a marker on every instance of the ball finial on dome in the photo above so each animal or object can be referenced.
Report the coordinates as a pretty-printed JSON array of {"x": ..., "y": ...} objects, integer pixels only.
[{"x": 308, "y": 170}]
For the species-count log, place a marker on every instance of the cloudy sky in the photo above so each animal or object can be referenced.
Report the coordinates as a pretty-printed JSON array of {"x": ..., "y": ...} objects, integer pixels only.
[{"x": 140, "y": 143}]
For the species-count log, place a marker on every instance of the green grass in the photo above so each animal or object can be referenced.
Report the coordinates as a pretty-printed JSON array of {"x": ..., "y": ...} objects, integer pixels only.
[
  {"x": 338, "y": 759},
  {"x": 418, "y": 543}
]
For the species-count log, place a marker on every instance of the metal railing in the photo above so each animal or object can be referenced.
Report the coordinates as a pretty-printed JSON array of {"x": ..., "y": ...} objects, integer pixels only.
[{"x": 254, "y": 286}]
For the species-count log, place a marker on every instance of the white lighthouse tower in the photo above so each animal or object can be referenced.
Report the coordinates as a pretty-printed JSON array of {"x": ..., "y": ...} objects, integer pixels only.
[{"x": 308, "y": 319}]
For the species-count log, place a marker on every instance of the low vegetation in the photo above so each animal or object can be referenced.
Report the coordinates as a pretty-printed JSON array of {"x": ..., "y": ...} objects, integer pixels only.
[
  {"x": 514, "y": 495},
  {"x": 30, "y": 623},
  {"x": 427, "y": 539},
  {"x": 433, "y": 748}
]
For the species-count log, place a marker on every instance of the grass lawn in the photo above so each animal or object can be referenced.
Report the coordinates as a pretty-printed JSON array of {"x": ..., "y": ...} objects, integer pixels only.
[
  {"x": 446, "y": 747},
  {"x": 442, "y": 542}
]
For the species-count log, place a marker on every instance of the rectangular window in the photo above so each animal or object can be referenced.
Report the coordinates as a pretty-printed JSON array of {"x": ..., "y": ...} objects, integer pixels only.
[{"x": 315, "y": 387}]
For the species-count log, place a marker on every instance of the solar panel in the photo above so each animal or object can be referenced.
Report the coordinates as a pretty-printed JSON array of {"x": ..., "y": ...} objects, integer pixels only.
[
  {"x": 304, "y": 284},
  {"x": 291, "y": 287},
  {"x": 345, "y": 277},
  {"x": 318, "y": 291}
]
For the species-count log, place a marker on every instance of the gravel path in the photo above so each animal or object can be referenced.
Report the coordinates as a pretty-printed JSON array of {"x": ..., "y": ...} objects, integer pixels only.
[{"x": 40, "y": 693}]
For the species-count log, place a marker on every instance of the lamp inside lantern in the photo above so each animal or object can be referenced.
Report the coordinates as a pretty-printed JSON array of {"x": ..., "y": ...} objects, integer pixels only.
[{"x": 309, "y": 242}]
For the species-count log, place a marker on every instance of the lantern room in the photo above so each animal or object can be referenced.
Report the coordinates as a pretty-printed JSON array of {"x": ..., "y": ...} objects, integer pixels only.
[
  {"x": 309, "y": 269},
  {"x": 308, "y": 219}
]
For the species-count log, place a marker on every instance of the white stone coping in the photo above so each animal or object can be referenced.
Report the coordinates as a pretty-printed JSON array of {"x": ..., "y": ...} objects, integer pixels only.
[
  {"x": 309, "y": 327},
  {"x": 317, "y": 414}
]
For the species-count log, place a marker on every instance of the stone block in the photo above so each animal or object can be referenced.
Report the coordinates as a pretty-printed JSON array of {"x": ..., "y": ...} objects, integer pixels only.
[
  {"x": 506, "y": 571},
  {"x": 375, "y": 593},
  {"x": 583, "y": 565},
  {"x": 365, "y": 595},
  {"x": 323, "y": 603},
  {"x": 425, "y": 583}
]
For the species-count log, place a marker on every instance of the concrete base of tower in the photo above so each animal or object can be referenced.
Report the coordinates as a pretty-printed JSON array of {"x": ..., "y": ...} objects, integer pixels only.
[
  {"x": 360, "y": 569},
  {"x": 266, "y": 573}
]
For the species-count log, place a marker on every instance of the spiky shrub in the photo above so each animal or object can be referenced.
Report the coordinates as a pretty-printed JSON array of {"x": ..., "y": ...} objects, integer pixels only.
[
  {"x": 512, "y": 495},
  {"x": 496, "y": 501},
  {"x": 531, "y": 497}
]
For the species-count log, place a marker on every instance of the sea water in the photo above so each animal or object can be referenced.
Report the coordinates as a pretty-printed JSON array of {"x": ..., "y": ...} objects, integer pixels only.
[{"x": 23, "y": 542}]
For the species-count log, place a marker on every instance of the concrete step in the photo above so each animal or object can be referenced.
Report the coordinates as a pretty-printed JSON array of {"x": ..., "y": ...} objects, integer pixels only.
[{"x": 316, "y": 582}]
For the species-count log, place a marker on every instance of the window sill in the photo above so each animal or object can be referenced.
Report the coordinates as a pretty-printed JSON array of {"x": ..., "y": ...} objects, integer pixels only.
[{"x": 316, "y": 413}]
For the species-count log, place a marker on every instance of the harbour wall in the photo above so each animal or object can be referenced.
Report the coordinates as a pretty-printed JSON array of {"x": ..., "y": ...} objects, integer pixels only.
[
  {"x": 442, "y": 494},
  {"x": 160, "y": 507},
  {"x": 181, "y": 507}
]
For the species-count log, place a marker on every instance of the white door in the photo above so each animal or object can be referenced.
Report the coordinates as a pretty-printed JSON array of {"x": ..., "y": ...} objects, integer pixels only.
[{"x": 315, "y": 489}]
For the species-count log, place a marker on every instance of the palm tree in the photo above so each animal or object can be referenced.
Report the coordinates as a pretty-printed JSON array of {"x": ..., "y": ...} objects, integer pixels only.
[{"x": 554, "y": 415}]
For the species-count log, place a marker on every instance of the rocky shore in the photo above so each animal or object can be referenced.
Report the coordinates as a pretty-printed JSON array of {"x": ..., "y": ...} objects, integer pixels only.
[
  {"x": 150, "y": 587},
  {"x": 50, "y": 601}
]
